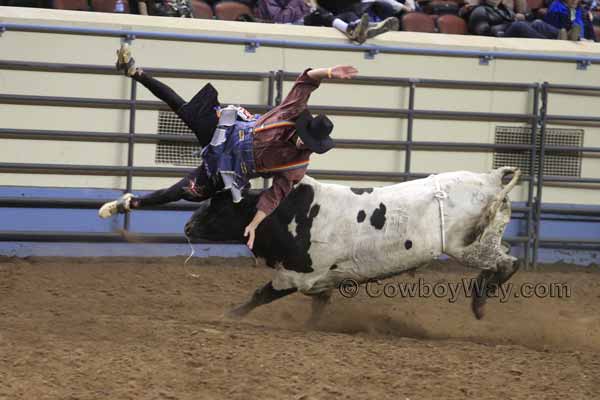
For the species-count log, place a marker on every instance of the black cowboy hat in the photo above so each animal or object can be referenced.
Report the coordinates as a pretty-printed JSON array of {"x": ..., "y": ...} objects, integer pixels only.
[{"x": 314, "y": 132}]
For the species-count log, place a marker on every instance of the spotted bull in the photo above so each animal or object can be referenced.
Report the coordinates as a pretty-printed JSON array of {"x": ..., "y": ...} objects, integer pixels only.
[{"x": 323, "y": 234}]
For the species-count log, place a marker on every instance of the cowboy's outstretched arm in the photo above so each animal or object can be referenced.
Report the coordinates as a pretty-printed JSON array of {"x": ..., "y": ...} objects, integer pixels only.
[
  {"x": 337, "y": 72},
  {"x": 269, "y": 200}
]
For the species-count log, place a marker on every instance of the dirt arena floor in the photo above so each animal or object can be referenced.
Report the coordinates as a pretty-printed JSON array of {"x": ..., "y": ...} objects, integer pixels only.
[{"x": 147, "y": 329}]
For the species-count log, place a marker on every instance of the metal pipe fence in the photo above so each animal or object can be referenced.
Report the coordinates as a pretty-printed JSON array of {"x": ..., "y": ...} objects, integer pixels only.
[
  {"x": 537, "y": 120},
  {"x": 251, "y": 44}
]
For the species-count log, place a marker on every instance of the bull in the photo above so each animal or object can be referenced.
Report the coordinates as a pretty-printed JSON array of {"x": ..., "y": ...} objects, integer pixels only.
[{"x": 322, "y": 235}]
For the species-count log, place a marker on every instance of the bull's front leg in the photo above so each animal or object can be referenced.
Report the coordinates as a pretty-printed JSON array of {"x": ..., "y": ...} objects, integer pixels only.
[{"x": 263, "y": 295}]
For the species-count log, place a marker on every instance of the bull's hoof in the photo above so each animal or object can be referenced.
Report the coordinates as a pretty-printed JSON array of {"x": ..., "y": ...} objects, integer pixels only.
[{"x": 478, "y": 307}]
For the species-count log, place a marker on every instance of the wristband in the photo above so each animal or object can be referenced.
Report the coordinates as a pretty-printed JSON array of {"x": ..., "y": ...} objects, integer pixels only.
[{"x": 329, "y": 72}]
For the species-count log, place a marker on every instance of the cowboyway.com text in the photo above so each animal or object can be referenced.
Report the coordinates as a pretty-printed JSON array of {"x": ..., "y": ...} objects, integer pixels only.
[{"x": 466, "y": 287}]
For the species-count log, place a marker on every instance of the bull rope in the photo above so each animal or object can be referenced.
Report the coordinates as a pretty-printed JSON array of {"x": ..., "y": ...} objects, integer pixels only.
[
  {"x": 440, "y": 195},
  {"x": 190, "y": 274}
]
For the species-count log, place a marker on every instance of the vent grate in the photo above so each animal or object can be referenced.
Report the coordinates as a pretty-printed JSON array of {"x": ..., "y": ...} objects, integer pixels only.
[
  {"x": 173, "y": 153},
  {"x": 556, "y": 163}
]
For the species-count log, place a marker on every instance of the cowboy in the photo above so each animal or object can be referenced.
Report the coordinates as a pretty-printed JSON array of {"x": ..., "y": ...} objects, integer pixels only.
[{"x": 239, "y": 146}]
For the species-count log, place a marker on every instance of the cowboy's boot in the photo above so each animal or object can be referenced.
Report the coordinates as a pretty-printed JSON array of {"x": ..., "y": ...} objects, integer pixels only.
[
  {"x": 120, "y": 206},
  {"x": 125, "y": 63}
]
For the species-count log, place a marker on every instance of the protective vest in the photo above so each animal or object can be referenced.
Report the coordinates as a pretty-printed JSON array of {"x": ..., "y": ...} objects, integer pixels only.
[{"x": 230, "y": 153}]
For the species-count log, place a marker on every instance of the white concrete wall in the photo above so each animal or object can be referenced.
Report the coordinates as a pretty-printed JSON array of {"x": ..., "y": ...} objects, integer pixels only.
[{"x": 75, "y": 49}]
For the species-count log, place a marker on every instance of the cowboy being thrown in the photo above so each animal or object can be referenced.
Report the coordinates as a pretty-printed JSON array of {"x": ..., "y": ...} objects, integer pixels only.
[{"x": 239, "y": 146}]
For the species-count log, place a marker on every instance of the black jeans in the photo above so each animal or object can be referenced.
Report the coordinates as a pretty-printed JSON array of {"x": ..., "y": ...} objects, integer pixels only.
[
  {"x": 538, "y": 29},
  {"x": 196, "y": 186},
  {"x": 199, "y": 114},
  {"x": 380, "y": 10}
]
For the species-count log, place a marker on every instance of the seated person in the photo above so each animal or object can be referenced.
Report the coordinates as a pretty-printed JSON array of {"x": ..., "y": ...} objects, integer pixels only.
[
  {"x": 249, "y": 3},
  {"x": 519, "y": 7},
  {"x": 493, "y": 18},
  {"x": 568, "y": 15},
  {"x": 166, "y": 8},
  {"x": 282, "y": 11},
  {"x": 358, "y": 20},
  {"x": 178, "y": 8},
  {"x": 377, "y": 9}
]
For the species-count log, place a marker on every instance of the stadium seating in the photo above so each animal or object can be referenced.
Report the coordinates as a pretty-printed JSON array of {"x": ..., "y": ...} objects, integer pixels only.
[
  {"x": 441, "y": 7},
  {"x": 537, "y": 7},
  {"x": 107, "y": 6},
  {"x": 418, "y": 22},
  {"x": 202, "y": 10},
  {"x": 79, "y": 5},
  {"x": 231, "y": 11},
  {"x": 452, "y": 24}
]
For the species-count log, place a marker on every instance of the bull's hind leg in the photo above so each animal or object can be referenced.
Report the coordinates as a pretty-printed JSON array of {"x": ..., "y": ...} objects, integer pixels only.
[
  {"x": 319, "y": 302},
  {"x": 488, "y": 253},
  {"x": 263, "y": 295},
  {"x": 487, "y": 284}
]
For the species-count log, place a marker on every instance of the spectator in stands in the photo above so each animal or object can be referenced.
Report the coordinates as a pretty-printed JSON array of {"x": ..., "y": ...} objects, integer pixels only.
[
  {"x": 519, "y": 7},
  {"x": 282, "y": 11},
  {"x": 493, "y": 18},
  {"x": 166, "y": 8},
  {"x": 398, "y": 7},
  {"x": 567, "y": 15},
  {"x": 377, "y": 9},
  {"x": 355, "y": 24},
  {"x": 249, "y": 3},
  {"x": 588, "y": 6},
  {"x": 27, "y": 3}
]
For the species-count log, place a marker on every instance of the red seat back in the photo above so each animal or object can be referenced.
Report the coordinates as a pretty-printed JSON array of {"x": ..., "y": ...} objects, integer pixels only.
[
  {"x": 452, "y": 24},
  {"x": 108, "y": 6},
  {"x": 231, "y": 10},
  {"x": 418, "y": 22},
  {"x": 535, "y": 4},
  {"x": 81, "y": 5},
  {"x": 202, "y": 10}
]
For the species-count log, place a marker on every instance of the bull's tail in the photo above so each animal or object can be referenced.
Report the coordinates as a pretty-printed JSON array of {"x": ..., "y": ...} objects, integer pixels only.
[
  {"x": 503, "y": 173},
  {"x": 492, "y": 208}
]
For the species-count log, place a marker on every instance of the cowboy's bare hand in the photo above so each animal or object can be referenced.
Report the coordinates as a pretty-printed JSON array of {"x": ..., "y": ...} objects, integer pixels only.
[
  {"x": 343, "y": 72},
  {"x": 250, "y": 232}
]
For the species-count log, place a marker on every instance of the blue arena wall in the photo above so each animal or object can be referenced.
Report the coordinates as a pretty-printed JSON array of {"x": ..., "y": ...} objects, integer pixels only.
[{"x": 172, "y": 222}]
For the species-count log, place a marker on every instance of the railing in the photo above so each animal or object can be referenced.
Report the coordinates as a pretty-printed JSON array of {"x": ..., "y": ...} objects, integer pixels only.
[
  {"x": 251, "y": 44},
  {"x": 537, "y": 119}
]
